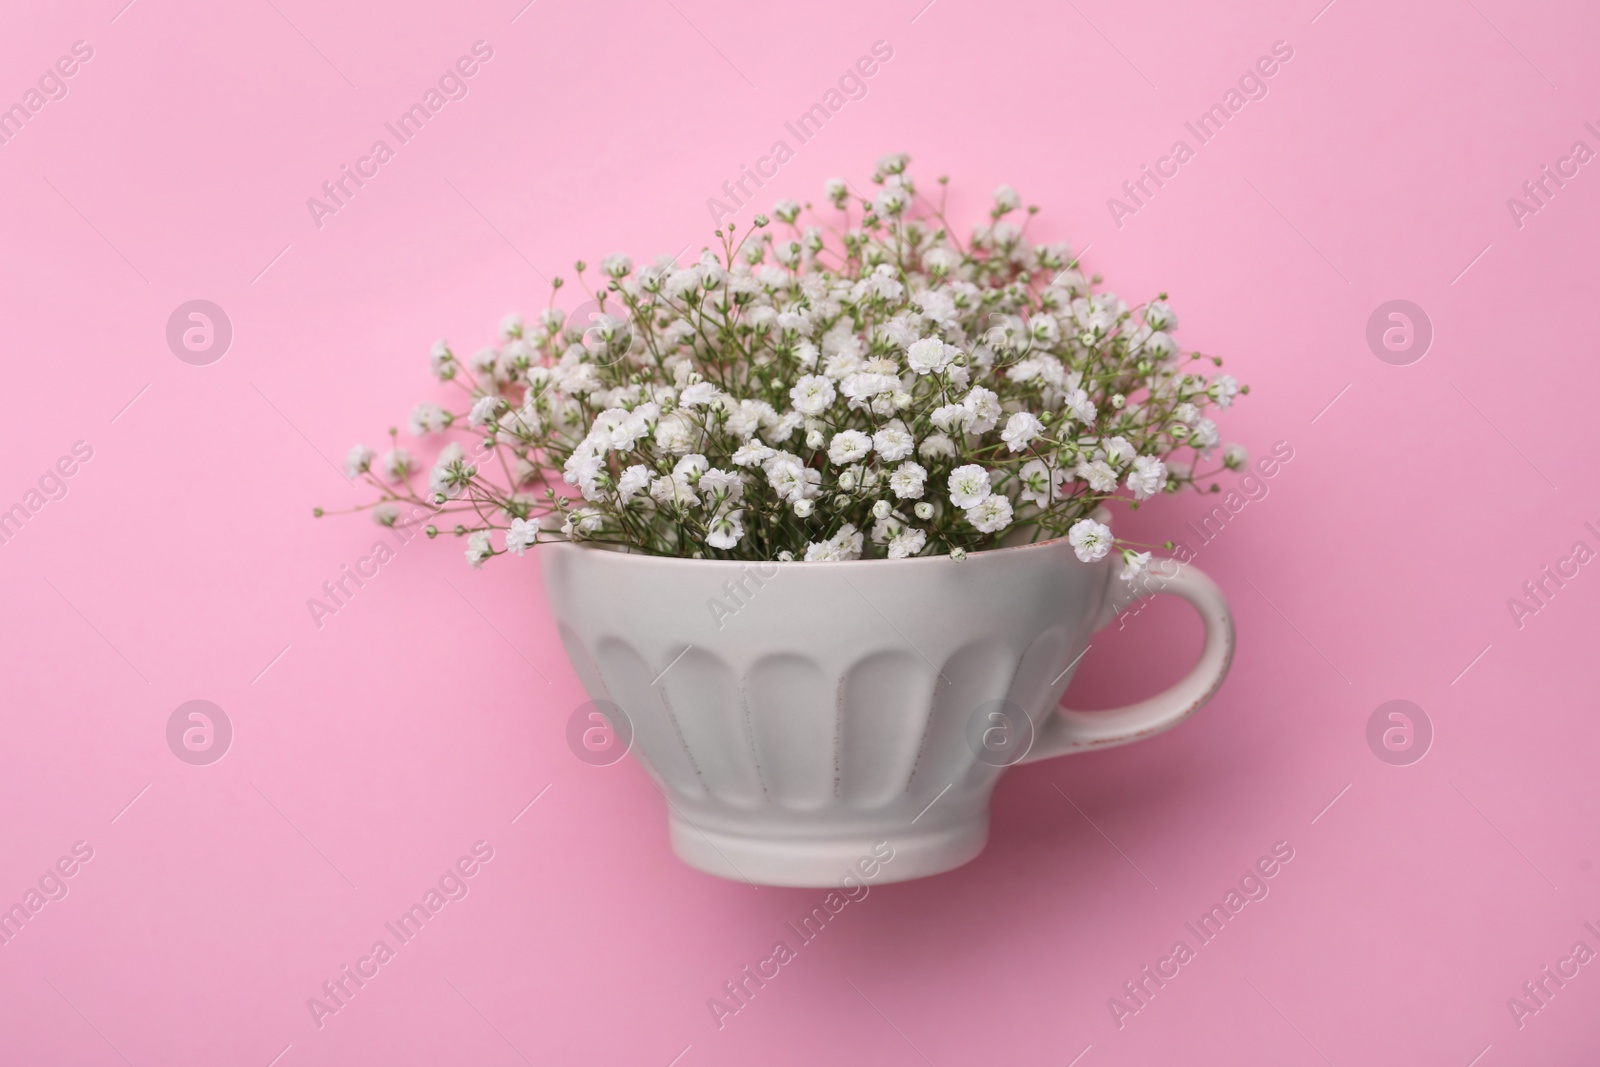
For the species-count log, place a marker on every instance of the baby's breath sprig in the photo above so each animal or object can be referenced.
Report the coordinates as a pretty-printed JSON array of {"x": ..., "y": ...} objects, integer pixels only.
[{"x": 852, "y": 381}]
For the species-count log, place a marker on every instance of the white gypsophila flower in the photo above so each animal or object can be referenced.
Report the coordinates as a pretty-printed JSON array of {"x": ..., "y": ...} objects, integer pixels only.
[
  {"x": 691, "y": 466},
  {"x": 616, "y": 265},
  {"x": 1234, "y": 457},
  {"x": 427, "y": 418},
  {"x": 822, "y": 552},
  {"x": 385, "y": 514},
  {"x": 888, "y": 524},
  {"x": 760, "y": 317},
  {"x": 1021, "y": 429},
  {"x": 1078, "y": 404},
  {"x": 907, "y": 480},
  {"x": 582, "y": 469},
  {"x": 907, "y": 542},
  {"x": 675, "y": 434},
  {"x": 948, "y": 417},
  {"x": 1006, "y": 199},
  {"x": 1158, "y": 316},
  {"x": 679, "y": 283},
  {"x": 1205, "y": 434},
  {"x": 882, "y": 283},
  {"x": 1037, "y": 482},
  {"x": 752, "y": 454},
  {"x": 812, "y": 394},
  {"x": 1119, "y": 453},
  {"x": 442, "y": 361},
  {"x": 451, "y": 472},
  {"x": 484, "y": 410},
  {"x": 484, "y": 361},
  {"x": 930, "y": 355},
  {"x": 1160, "y": 346},
  {"x": 848, "y": 446},
  {"x": 940, "y": 307},
  {"x": 1099, "y": 475},
  {"x": 397, "y": 464},
  {"x": 697, "y": 395},
  {"x": 783, "y": 427},
  {"x": 1043, "y": 328},
  {"x": 892, "y": 202},
  {"x": 991, "y": 514},
  {"x": 581, "y": 521},
  {"x": 844, "y": 545},
  {"x": 1148, "y": 477},
  {"x": 894, "y": 442},
  {"x": 524, "y": 422},
  {"x": 725, "y": 529},
  {"x": 848, "y": 541},
  {"x": 795, "y": 322},
  {"x": 520, "y": 535},
  {"x": 478, "y": 547},
  {"x": 863, "y": 385},
  {"x": 968, "y": 485},
  {"x": 1223, "y": 388},
  {"x": 893, "y": 163},
  {"x": 1134, "y": 564},
  {"x": 358, "y": 460},
  {"x": 790, "y": 478},
  {"x": 1091, "y": 540},
  {"x": 720, "y": 485},
  {"x": 626, "y": 434},
  {"x": 673, "y": 491},
  {"x": 982, "y": 409},
  {"x": 937, "y": 446},
  {"x": 633, "y": 481}
]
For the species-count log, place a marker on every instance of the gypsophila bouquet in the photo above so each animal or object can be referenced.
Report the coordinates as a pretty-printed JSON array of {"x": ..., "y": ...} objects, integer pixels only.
[{"x": 858, "y": 384}]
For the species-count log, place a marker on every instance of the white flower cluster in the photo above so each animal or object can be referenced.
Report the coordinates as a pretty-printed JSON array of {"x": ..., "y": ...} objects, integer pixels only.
[{"x": 865, "y": 386}]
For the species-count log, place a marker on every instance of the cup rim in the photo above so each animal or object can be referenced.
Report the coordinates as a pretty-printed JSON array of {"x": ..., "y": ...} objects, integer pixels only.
[{"x": 1009, "y": 552}]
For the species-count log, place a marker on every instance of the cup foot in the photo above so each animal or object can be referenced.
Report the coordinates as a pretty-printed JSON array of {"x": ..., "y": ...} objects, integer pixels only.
[{"x": 823, "y": 862}]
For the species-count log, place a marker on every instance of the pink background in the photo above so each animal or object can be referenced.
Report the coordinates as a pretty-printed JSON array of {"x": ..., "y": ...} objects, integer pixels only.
[{"x": 370, "y": 753}]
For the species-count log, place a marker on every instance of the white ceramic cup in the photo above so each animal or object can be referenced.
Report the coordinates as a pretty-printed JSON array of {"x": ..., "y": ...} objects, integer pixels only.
[{"x": 793, "y": 714}]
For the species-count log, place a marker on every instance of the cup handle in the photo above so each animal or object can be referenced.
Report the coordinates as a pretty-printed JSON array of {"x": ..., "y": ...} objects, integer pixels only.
[{"x": 1070, "y": 731}]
